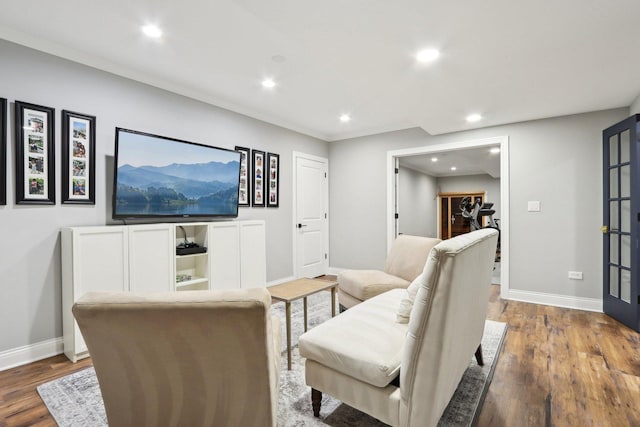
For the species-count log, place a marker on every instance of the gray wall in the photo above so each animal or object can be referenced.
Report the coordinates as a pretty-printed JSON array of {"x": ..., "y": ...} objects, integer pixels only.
[
  {"x": 635, "y": 106},
  {"x": 30, "y": 301},
  {"x": 555, "y": 161},
  {"x": 417, "y": 197},
  {"x": 480, "y": 183}
]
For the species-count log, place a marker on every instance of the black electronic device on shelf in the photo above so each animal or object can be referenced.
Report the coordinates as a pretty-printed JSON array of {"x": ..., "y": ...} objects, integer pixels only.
[{"x": 187, "y": 247}]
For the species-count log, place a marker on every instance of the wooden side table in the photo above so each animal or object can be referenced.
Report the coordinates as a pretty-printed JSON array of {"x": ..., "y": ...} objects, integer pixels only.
[{"x": 296, "y": 289}]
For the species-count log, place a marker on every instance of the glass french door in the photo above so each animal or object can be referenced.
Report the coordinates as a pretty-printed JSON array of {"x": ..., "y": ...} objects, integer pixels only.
[{"x": 621, "y": 215}]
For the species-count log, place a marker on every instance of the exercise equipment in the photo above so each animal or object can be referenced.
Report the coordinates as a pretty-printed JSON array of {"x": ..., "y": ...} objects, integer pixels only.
[{"x": 475, "y": 211}]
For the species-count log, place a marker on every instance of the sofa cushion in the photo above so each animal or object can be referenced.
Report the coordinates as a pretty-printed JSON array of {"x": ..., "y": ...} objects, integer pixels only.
[
  {"x": 408, "y": 255},
  {"x": 365, "y": 342},
  {"x": 347, "y": 300},
  {"x": 406, "y": 303},
  {"x": 364, "y": 284}
]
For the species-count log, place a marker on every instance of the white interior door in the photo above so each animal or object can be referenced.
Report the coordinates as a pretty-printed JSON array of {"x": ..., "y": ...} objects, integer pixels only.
[{"x": 311, "y": 235}]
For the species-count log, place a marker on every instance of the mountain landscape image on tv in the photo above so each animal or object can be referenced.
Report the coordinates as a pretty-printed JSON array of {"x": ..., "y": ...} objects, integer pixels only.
[{"x": 157, "y": 176}]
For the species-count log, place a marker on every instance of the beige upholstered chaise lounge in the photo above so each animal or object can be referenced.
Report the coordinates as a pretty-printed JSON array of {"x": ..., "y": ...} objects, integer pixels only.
[
  {"x": 404, "y": 374},
  {"x": 404, "y": 262},
  {"x": 190, "y": 358}
]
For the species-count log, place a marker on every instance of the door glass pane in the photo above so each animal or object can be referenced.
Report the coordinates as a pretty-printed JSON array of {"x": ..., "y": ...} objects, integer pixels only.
[
  {"x": 625, "y": 181},
  {"x": 613, "y": 281},
  {"x": 624, "y": 146},
  {"x": 625, "y": 216},
  {"x": 613, "y": 183},
  {"x": 613, "y": 150},
  {"x": 625, "y": 251},
  {"x": 625, "y": 285},
  {"x": 614, "y": 224},
  {"x": 613, "y": 248}
]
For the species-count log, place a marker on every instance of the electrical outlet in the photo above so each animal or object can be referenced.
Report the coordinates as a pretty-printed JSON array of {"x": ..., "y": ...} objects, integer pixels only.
[{"x": 575, "y": 275}]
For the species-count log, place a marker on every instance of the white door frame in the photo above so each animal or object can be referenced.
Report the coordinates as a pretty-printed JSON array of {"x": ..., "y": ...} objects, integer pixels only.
[
  {"x": 504, "y": 192},
  {"x": 294, "y": 206}
]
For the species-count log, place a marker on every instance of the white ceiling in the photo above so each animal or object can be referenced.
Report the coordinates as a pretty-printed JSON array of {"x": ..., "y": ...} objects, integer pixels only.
[
  {"x": 470, "y": 161},
  {"x": 507, "y": 60}
]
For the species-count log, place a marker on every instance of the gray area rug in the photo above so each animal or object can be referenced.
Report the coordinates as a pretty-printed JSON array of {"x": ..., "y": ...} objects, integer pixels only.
[{"x": 75, "y": 400}]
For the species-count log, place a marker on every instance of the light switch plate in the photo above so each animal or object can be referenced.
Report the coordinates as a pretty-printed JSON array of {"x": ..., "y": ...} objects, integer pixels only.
[{"x": 533, "y": 206}]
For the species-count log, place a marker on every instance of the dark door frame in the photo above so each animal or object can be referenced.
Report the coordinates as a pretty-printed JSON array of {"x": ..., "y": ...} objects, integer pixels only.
[{"x": 613, "y": 302}]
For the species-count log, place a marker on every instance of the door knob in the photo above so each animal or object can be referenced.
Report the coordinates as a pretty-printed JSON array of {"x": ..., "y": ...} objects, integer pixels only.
[
  {"x": 604, "y": 229},
  {"x": 302, "y": 225}
]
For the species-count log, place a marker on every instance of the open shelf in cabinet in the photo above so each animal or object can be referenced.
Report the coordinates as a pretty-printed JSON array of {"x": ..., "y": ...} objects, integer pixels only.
[
  {"x": 192, "y": 271},
  {"x": 192, "y": 284}
]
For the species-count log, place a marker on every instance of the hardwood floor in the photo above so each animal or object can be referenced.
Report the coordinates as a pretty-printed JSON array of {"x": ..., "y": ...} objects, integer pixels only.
[
  {"x": 20, "y": 404},
  {"x": 562, "y": 367},
  {"x": 558, "y": 367}
]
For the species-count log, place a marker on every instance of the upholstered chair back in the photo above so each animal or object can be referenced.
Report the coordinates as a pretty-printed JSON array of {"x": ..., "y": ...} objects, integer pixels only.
[
  {"x": 445, "y": 325},
  {"x": 407, "y": 256},
  {"x": 190, "y": 358}
]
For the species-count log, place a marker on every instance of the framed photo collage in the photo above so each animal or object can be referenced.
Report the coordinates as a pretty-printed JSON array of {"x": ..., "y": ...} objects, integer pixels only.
[
  {"x": 35, "y": 152},
  {"x": 259, "y": 178}
]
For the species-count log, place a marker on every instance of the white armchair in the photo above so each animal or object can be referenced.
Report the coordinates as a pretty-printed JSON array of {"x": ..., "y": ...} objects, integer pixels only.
[
  {"x": 404, "y": 374},
  {"x": 404, "y": 262},
  {"x": 189, "y": 358}
]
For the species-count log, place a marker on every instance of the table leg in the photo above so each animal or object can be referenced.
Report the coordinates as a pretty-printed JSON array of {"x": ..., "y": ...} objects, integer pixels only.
[
  {"x": 288, "y": 316},
  {"x": 305, "y": 313},
  {"x": 333, "y": 301}
]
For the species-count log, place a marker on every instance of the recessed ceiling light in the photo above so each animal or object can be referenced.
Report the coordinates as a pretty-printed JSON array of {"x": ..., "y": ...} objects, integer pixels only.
[
  {"x": 471, "y": 118},
  {"x": 152, "y": 31},
  {"x": 494, "y": 150},
  {"x": 345, "y": 118},
  {"x": 268, "y": 83},
  {"x": 434, "y": 159},
  {"x": 427, "y": 55},
  {"x": 453, "y": 168}
]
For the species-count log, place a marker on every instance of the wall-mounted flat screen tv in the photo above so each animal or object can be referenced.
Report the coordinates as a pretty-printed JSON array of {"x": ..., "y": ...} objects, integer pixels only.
[{"x": 157, "y": 176}]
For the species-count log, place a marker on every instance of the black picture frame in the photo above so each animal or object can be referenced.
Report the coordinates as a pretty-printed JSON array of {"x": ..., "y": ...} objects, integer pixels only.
[
  {"x": 35, "y": 154},
  {"x": 78, "y": 158},
  {"x": 273, "y": 189},
  {"x": 3, "y": 151},
  {"x": 257, "y": 177},
  {"x": 244, "y": 188}
]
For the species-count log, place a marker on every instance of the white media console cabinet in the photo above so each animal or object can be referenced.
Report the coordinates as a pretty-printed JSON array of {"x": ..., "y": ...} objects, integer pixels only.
[{"x": 143, "y": 258}]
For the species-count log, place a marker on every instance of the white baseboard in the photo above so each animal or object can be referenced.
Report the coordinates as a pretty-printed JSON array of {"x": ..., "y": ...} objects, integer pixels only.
[
  {"x": 336, "y": 270},
  {"x": 577, "y": 303},
  {"x": 30, "y": 353},
  {"x": 332, "y": 270},
  {"x": 281, "y": 280}
]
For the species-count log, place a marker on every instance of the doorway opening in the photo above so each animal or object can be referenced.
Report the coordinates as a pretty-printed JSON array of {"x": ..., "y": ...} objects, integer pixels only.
[{"x": 393, "y": 161}]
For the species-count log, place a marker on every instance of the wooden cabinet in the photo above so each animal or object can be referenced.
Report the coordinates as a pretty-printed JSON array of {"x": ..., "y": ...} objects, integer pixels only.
[
  {"x": 192, "y": 271},
  {"x": 151, "y": 253},
  {"x": 238, "y": 255},
  {"x": 224, "y": 247},
  {"x": 253, "y": 262},
  {"x": 451, "y": 222},
  {"x": 143, "y": 258},
  {"x": 93, "y": 259}
]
